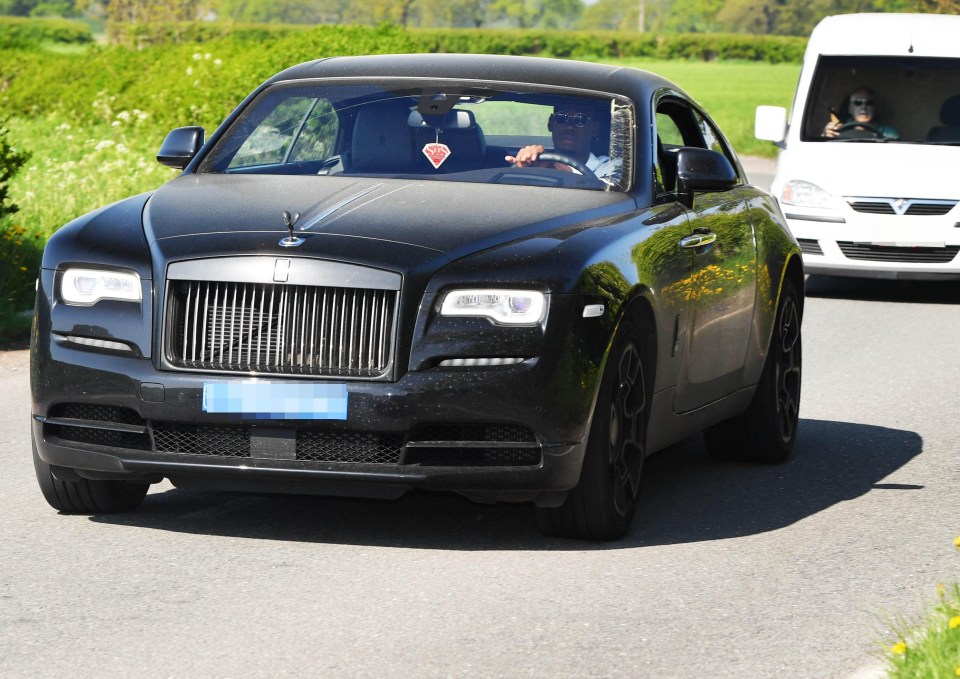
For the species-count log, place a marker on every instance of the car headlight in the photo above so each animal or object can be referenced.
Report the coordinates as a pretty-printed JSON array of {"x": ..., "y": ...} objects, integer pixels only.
[
  {"x": 86, "y": 287},
  {"x": 508, "y": 307},
  {"x": 798, "y": 192}
]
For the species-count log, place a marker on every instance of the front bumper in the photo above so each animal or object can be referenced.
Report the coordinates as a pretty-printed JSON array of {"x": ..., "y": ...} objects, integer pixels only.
[
  {"x": 496, "y": 433},
  {"x": 877, "y": 246}
]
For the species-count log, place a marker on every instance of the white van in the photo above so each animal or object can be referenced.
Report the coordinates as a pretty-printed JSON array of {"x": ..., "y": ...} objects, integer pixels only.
[{"x": 880, "y": 198}]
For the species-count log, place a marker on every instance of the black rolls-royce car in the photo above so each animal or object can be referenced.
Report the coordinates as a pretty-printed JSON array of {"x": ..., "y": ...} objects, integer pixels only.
[{"x": 511, "y": 278}]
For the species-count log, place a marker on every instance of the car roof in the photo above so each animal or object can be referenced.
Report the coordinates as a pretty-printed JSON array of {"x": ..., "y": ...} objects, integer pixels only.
[{"x": 633, "y": 83}]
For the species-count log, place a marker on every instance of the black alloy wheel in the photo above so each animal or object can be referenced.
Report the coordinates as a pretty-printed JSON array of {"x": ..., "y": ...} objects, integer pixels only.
[
  {"x": 602, "y": 505},
  {"x": 768, "y": 430}
]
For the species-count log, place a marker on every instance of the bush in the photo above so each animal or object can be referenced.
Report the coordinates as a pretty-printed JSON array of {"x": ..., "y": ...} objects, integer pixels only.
[
  {"x": 19, "y": 251},
  {"x": 23, "y": 33}
]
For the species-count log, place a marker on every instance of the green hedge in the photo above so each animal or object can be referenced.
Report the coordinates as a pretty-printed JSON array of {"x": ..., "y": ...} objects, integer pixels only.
[
  {"x": 574, "y": 44},
  {"x": 24, "y": 33}
]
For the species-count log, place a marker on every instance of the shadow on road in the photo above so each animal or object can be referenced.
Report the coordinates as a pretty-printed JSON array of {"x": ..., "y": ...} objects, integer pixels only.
[
  {"x": 909, "y": 292},
  {"x": 688, "y": 497}
]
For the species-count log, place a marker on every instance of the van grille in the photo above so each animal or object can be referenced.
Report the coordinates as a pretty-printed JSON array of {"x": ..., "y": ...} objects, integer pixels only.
[
  {"x": 911, "y": 207},
  {"x": 891, "y": 253},
  {"x": 281, "y": 329}
]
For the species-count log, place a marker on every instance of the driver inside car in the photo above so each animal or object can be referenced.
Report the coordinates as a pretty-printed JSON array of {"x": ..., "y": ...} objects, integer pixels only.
[
  {"x": 574, "y": 128},
  {"x": 861, "y": 121}
]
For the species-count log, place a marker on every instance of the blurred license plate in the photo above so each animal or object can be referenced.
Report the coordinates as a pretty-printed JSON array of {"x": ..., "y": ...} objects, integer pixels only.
[{"x": 276, "y": 400}]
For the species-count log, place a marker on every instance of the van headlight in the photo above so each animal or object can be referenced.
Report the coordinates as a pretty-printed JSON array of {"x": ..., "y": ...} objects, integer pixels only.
[
  {"x": 507, "y": 307},
  {"x": 805, "y": 194},
  {"x": 86, "y": 287}
]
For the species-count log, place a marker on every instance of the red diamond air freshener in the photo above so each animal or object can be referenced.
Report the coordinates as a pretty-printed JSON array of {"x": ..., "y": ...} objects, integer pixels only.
[{"x": 436, "y": 153}]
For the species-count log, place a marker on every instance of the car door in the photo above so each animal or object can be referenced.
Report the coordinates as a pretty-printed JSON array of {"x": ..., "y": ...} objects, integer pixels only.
[{"x": 720, "y": 291}]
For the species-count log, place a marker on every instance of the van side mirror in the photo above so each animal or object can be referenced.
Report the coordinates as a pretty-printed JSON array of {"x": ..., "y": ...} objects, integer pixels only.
[
  {"x": 702, "y": 170},
  {"x": 770, "y": 123},
  {"x": 180, "y": 146}
]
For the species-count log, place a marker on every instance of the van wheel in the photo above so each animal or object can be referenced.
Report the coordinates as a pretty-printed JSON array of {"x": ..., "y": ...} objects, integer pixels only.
[
  {"x": 602, "y": 505},
  {"x": 768, "y": 430}
]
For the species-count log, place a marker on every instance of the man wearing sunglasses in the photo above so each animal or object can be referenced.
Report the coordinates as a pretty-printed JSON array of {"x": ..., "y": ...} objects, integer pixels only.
[
  {"x": 861, "y": 122},
  {"x": 573, "y": 127}
]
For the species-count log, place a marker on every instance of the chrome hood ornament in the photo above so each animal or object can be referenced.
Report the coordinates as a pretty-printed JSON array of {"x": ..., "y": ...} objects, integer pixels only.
[{"x": 289, "y": 220}]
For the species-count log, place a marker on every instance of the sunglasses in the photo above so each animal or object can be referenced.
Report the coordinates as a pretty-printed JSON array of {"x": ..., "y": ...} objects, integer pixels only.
[
  {"x": 862, "y": 102},
  {"x": 576, "y": 119}
]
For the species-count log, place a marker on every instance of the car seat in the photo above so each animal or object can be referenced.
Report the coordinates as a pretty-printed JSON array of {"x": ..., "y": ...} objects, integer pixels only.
[
  {"x": 950, "y": 117},
  {"x": 382, "y": 142}
]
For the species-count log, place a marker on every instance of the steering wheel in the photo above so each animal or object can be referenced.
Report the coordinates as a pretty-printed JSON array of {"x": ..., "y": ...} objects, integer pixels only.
[
  {"x": 854, "y": 125},
  {"x": 554, "y": 157}
]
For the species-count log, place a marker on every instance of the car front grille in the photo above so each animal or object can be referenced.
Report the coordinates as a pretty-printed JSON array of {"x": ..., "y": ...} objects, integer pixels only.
[
  {"x": 902, "y": 206},
  {"x": 893, "y": 253},
  {"x": 432, "y": 445},
  {"x": 280, "y": 329},
  {"x": 810, "y": 246}
]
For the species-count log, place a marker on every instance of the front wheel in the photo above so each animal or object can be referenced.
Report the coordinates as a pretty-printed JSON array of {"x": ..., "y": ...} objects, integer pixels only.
[
  {"x": 768, "y": 430},
  {"x": 86, "y": 496},
  {"x": 603, "y": 503}
]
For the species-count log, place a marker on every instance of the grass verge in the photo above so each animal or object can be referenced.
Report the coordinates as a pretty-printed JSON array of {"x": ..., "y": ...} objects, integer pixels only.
[{"x": 932, "y": 650}]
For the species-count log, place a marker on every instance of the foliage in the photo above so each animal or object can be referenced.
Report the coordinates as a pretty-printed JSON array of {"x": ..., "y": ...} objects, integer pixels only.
[
  {"x": 20, "y": 33},
  {"x": 19, "y": 252},
  {"x": 933, "y": 650},
  {"x": 11, "y": 160}
]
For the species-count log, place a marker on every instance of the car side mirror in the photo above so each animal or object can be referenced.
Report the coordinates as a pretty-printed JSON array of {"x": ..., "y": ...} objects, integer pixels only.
[
  {"x": 770, "y": 123},
  {"x": 180, "y": 146},
  {"x": 702, "y": 170}
]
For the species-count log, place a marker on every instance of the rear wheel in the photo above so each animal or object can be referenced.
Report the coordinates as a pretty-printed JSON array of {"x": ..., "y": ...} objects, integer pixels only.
[
  {"x": 768, "y": 430},
  {"x": 86, "y": 496},
  {"x": 603, "y": 503}
]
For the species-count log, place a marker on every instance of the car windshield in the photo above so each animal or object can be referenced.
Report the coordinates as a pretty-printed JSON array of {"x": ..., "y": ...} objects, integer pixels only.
[
  {"x": 884, "y": 99},
  {"x": 435, "y": 131}
]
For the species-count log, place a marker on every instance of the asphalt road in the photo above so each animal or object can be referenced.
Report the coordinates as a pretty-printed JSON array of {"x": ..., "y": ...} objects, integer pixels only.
[{"x": 732, "y": 570}]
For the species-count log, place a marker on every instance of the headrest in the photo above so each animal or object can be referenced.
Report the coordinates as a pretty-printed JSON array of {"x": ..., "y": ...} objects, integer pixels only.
[
  {"x": 381, "y": 140},
  {"x": 950, "y": 111}
]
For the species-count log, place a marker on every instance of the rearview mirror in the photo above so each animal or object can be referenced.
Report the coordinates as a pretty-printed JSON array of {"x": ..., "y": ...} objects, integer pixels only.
[
  {"x": 770, "y": 123},
  {"x": 180, "y": 146},
  {"x": 703, "y": 170}
]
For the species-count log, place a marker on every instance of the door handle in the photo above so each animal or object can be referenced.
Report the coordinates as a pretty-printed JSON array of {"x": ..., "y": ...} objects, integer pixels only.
[{"x": 698, "y": 240}]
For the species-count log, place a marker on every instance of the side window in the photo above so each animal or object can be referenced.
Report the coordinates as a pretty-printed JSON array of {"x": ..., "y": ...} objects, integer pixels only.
[
  {"x": 676, "y": 127},
  {"x": 298, "y": 129},
  {"x": 318, "y": 136},
  {"x": 713, "y": 139}
]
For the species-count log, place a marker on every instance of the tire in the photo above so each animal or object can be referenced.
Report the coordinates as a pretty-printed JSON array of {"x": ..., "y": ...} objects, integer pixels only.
[
  {"x": 86, "y": 496},
  {"x": 768, "y": 430},
  {"x": 602, "y": 505}
]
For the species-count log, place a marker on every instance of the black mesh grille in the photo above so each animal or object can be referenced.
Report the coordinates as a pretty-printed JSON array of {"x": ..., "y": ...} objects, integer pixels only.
[
  {"x": 98, "y": 425},
  {"x": 286, "y": 329},
  {"x": 874, "y": 208},
  {"x": 347, "y": 446},
  {"x": 892, "y": 253},
  {"x": 473, "y": 432},
  {"x": 809, "y": 246},
  {"x": 185, "y": 439},
  {"x": 96, "y": 413},
  {"x": 461, "y": 445}
]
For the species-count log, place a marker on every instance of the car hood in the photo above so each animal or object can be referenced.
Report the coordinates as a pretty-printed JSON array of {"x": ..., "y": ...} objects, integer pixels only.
[
  {"x": 231, "y": 214},
  {"x": 872, "y": 169}
]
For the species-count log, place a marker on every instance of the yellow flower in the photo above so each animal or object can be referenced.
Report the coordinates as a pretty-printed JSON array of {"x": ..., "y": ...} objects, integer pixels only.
[
  {"x": 957, "y": 671},
  {"x": 955, "y": 622},
  {"x": 899, "y": 648},
  {"x": 956, "y": 542}
]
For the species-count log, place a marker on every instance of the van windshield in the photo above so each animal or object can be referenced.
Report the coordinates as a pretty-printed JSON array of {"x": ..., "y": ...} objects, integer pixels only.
[{"x": 884, "y": 99}]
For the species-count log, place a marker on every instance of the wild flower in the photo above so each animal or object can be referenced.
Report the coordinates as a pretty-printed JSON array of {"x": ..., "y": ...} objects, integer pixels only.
[
  {"x": 899, "y": 648},
  {"x": 954, "y": 622}
]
